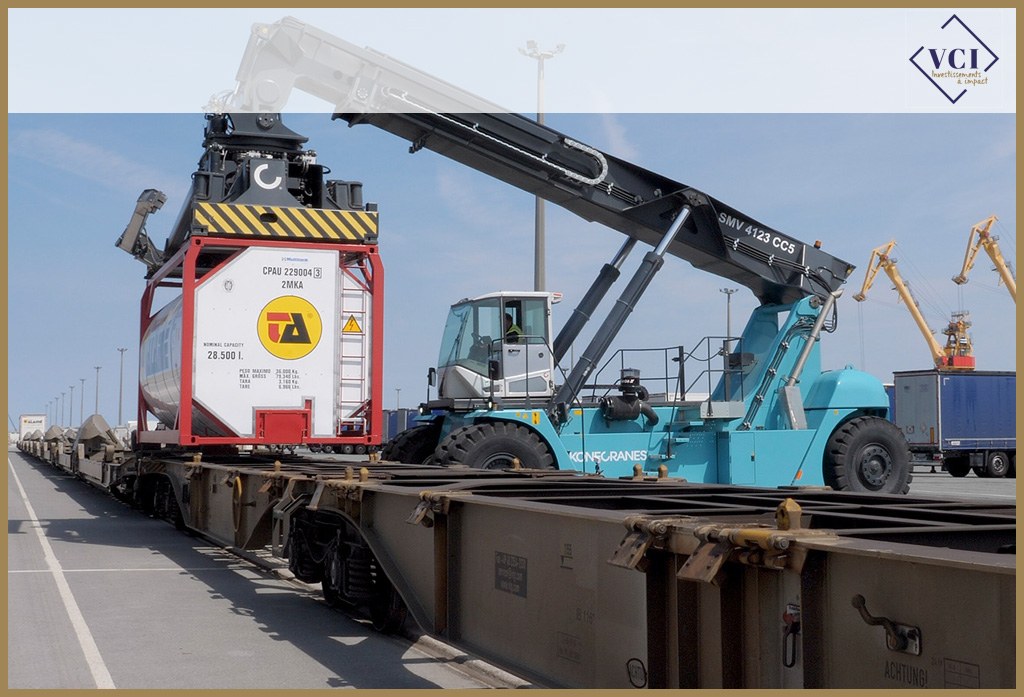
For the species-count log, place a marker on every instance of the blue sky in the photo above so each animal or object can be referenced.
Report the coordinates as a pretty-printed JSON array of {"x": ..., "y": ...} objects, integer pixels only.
[
  {"x": 741, "y": 59},
  {"x": 447, "y": 232}
]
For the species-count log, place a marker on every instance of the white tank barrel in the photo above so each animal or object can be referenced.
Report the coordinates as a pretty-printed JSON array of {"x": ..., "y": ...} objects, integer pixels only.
[
  {"x": 160, "y": 364},
  {"x": 275, "y": 329}
]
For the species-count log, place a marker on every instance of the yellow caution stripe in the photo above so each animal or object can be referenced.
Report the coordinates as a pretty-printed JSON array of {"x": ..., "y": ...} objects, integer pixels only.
[{"x": 285, "y": 222}]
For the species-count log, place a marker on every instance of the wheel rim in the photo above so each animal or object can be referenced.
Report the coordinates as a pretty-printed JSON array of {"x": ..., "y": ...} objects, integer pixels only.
[
  {"x": 875, "y": 466},
  {"x": 497, "y": 461}
]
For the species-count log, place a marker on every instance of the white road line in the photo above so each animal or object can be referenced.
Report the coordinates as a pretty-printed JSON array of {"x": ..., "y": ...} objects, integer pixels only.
[
  {"x": 178, "y": 569},
  {"x": 966, "y": 498},
  {"x": 100, "y": 674}
]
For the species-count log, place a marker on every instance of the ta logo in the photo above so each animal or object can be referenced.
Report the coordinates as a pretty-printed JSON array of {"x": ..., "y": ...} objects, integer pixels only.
[
  {"x": 289, "y": 327},
  {"x": 960, "y": 63}
]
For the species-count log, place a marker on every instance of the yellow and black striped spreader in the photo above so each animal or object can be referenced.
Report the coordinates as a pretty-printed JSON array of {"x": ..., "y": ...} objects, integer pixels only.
[{"x": 285, "y": 222}]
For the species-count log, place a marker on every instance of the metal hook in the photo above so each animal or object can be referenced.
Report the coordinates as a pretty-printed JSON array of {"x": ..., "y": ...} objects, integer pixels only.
[{"x": 898, "y": 637}]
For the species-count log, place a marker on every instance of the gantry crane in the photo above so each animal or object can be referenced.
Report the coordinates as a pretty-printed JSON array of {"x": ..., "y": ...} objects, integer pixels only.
[
  {"x": 958, "y": 353},
  {"x": 981, "y": 237}
]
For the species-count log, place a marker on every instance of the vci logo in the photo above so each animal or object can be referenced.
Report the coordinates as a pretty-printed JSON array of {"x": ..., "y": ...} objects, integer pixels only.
[
  {"x": 961, "y": 62},
  {"x": 289, "y": 327}
]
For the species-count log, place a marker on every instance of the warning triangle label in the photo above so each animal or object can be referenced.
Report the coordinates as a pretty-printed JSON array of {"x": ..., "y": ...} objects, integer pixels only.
[{"x": 352, "y": 326}]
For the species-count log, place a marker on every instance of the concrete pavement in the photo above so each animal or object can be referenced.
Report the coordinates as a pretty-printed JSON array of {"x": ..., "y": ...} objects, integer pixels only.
[{"x": 100, "y": 595}]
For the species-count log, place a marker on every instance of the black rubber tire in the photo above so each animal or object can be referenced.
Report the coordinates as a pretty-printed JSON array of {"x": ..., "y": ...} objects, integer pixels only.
[
  {"x": 493, "y": 445},
  {"x": 1012, "y": 474},
  {"x": 413, "y": 446},
  {"x": 997, "y": 464},
  {"x": 868, "y": 454},
  {"x": 958, "y": 467}
]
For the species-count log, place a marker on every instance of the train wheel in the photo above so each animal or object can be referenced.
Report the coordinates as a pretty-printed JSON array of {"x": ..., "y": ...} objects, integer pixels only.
[
  {"x": 388, "y": 612},
  {"x": 494, "y": 445},
  {"x": 868, "y": 454},
  {"x": 332, "y": 577},
  {"x": 167, "y": 505},
  {"x": 122, "y": 490},
  {"x": 414, "y": 446}
]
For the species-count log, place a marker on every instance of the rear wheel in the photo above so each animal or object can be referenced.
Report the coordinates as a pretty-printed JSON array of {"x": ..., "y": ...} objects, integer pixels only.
[
  {"x": 868, "y": 454},
  {"x": 494, "y": 445},
  {"x": 414, "y": 446},
  {"x": 958, "y": 466},
  {"x": 998, "y": 465}
]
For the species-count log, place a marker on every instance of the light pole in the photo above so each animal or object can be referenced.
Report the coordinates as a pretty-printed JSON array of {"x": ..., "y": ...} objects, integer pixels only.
[
  {"x": 120, "y": 387},
  {"x": 71, "y": 406},
  {"x": 97, "y": 389},
  {"x": 398, "y": 396},
  {"x": 81, "y": 400},
  {"x": 62, "y": 409},
  {"x": 539, "y": 55}
]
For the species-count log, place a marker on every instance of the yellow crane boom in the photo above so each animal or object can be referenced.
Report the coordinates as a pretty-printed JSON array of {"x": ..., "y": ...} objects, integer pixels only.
[
  {"x": 957, "y": 354},
  {"x": 982, "y": 237}
]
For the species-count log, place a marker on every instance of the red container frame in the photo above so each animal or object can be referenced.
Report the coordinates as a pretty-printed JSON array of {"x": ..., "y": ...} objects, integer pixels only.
[{"x": 277, "y": 426}]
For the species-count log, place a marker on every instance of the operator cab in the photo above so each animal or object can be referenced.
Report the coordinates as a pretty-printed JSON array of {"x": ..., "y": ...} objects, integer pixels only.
[{"x": 480, "y": 358}]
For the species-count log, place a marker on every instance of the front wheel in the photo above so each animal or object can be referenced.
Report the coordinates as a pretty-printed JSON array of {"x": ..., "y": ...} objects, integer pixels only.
[
  {"x": 413, "y": 446},
  {"x": 494, "y": 445},
  {"x": 868, "y": 454}
]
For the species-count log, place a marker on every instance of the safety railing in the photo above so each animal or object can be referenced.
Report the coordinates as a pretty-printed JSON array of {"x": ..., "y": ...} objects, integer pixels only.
[
  {"x": 682, "y": 375},
  {"x": 671, "y": 374}
]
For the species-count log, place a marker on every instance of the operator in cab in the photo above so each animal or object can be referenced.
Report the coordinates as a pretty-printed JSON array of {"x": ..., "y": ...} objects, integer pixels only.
[{"x": 512, "y": 330}]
